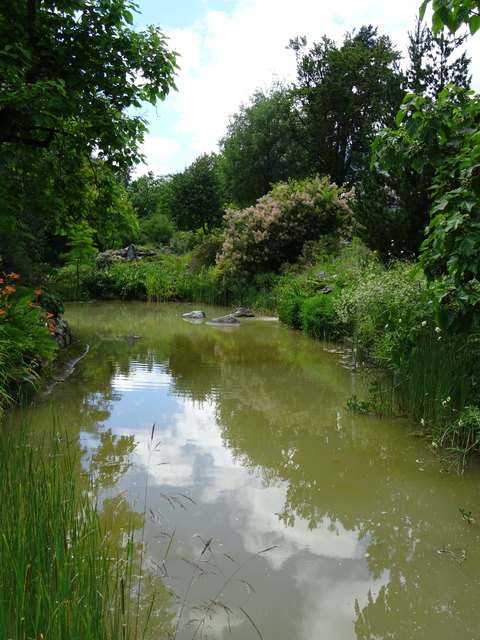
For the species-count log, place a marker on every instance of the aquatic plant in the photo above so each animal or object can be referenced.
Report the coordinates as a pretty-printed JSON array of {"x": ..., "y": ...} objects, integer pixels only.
[{"x": 59, "y": 576}]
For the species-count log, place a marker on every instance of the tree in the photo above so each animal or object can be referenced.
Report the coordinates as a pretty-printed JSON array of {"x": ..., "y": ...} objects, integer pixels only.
[
  {"x": 392, "y": 207},
  {"x": 431, "y": 64},
  {"x": 193, "y": 199},
  {"x": 146, "y": 193},
  {"x": 70, "y": 73},
  {"x": 71, "y": 68},
  {"x": 259, "y": 148},
  {"x": 343, "y": 96},
  {"x": 444, "y": 135}
]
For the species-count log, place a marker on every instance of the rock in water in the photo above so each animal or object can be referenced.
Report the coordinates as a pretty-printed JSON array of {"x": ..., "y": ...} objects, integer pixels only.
[{"x": 242, "y": 312}]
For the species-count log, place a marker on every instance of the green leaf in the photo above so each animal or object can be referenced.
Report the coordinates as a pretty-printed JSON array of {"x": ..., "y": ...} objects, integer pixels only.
[{"x": 474, "y": 24}]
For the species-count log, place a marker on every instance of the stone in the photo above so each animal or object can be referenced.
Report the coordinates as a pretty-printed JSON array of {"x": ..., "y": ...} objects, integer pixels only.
[
  {"x": 61, "y": 334},
  {"x": 194, "y": 314},
  {"x": 130, "y": 252},
  {"x": 242, "y": 312}
]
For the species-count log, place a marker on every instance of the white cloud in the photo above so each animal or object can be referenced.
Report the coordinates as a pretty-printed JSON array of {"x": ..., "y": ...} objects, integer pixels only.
[
  {"x": 158, "y": 152},
  {"x": 228, "y": 54}
]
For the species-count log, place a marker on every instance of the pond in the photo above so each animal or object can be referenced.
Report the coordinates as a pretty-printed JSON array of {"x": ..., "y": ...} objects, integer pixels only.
[{"x": 272, "y": 511}]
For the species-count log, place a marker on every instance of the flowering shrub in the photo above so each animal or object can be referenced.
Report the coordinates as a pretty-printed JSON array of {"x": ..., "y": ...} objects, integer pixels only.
[
  {"x": 25, "y": 335},
  {"x": 378, "y": 300},
  {"x": 272, "y": 232}
]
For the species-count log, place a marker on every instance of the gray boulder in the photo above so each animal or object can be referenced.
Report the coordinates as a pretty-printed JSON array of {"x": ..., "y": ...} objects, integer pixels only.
[
  {"x": 242, "y": 312},
  {"x": 194, "y": 314}
]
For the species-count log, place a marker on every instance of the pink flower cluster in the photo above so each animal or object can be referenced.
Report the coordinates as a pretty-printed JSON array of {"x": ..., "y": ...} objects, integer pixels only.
[{"x": 264, "y": 236}]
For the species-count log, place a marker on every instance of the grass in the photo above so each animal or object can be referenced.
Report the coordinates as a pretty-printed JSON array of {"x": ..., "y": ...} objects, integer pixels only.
[{"x": 59, "y": 576}]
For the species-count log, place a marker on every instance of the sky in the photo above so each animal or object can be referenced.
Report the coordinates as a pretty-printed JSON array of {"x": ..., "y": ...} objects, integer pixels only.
[{"x": 230, "y": 48}]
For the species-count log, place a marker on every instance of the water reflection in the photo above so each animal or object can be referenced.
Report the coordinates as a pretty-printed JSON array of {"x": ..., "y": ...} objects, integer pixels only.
[{"x": 252, "y": 445}]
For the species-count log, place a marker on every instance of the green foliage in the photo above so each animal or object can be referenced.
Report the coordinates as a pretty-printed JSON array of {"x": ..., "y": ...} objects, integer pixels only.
[
  {"x": 444, "y": 135},
  {"x": 342, "y": 96},
  {"x": 205, "y": 253},
  {"x": 289, "y": 307},
  {"x": 164, "y": 278},
  {"x": 68, "y": 82},
  {"x": 274, "y": 231},
  {"x": 147, "y": 193},
  {"x": 156, "y": 229},
  {"x": 319, "y": 319},
  {"x": 185, "y": 241},
  {"x": 434, "y": 62},
  {"x": 72, "y": 72},
  {"x": 453, "y": 14},
  {"x": 26, "y": 343},
  {"x": 260, "y": 148},
  {"x": 375, "y": 300},
  {"x": 193, "y": 199},
  {"x": 60, "y": 575},
  {"x": 392, "y": 208}
]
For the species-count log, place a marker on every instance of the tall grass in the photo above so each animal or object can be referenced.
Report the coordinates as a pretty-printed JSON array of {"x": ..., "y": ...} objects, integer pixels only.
[{"x": 59, "y": 576}]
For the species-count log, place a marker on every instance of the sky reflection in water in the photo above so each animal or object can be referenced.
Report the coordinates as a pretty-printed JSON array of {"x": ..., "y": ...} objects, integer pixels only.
[{"x": 251, "y": 426}]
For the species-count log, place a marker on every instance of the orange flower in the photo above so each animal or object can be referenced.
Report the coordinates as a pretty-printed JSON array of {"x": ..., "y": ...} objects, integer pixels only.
[
  {"x": 2, "y": 312},
  {"x": 7, "y": 290},
  {"x": 31, "y": 304},
  {"x": 1, "y": 280},
  {"x": 37, "y": 292},
  {"x": 52, "y": 328},
  {"x": 50, "y": 315},
  {"x": 13, "y": 275}
]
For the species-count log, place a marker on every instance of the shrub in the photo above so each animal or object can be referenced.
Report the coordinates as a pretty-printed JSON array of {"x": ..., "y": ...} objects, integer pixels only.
[
  {"x": 273, "y": 232},
  {"x": 290, "y": 303},
  {"x": 205, "y": 253},
  {"x": 157, "y": 229},
  {"x": 372, "y": 305},
  {"x": 319, "y": 319},
  {"x": 25, "y": 337}
]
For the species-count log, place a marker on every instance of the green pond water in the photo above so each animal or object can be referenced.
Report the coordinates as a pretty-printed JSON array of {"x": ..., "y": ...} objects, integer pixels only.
[{"x": 242, "y": 435}]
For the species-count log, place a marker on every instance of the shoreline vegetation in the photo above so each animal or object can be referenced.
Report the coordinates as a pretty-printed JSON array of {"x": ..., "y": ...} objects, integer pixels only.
[{"x": 348, "y": 203}]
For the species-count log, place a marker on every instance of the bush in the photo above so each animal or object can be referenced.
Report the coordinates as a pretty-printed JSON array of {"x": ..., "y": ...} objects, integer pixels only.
[
  {"x": 375, "y": 300},
  {"x": 25, "y": 337},
  {"x": 157, "y": 230},
  {"x": 290, "y": 303},
  {"x": 273, "y": 232},
  {"x": 205, "y": 253},
  {"x": 319, "y": 319}
]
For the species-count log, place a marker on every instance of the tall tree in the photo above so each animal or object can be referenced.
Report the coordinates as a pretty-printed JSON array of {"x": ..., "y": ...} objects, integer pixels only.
[
  {"x": 145, "y": 193},
  {"x": 392, "y": 208},
  {"x": 193, "y": 199},
  {"x": 343, "y": 96},
  {"x": 259, "y": 148},
  {"x": 432, "y": 61}
]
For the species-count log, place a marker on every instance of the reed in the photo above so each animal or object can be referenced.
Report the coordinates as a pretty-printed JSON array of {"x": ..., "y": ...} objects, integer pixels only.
[{"x": 59, "y": 577}]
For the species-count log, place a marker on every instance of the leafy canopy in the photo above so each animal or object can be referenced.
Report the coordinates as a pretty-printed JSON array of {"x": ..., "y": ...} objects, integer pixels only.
[
  {"x": 342, "y": 97},
  {"x": 72, "y": 73},
  {"x": 453, "y": 14},
  {"x": 73, "y": 68},
  {"x": 443, "y": 135}
]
